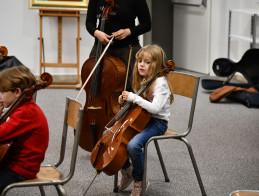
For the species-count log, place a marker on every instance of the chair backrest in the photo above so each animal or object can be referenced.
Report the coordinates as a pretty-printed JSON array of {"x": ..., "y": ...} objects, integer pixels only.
[
  {"x": 182, "y": 84},
  {"x": 186, "y": 85},
  {"x": 72, "y": 119},
  {"x": 245, "y": 193}
]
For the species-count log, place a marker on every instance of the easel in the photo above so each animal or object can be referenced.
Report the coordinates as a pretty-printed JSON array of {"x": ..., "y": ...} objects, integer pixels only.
[{"x": 60, "y": 14}]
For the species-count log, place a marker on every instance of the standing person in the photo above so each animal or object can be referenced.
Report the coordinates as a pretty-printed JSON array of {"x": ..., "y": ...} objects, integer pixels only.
[
  {"x": 149, "y": 61},
  {"x": 26, "y": 126},
  {"x": 121, "y": 24}
]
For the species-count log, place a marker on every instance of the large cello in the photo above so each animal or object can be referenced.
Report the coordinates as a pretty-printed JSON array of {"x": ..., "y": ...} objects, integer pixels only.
[
  {"x": 102, "y": 90},
  {"x": 110, "y": 153}
]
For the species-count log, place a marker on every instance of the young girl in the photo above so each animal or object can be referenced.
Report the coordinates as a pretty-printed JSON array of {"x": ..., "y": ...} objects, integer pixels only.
[
  {"x": 26, "y": 126},
  {"x": 149, "y": 61}
]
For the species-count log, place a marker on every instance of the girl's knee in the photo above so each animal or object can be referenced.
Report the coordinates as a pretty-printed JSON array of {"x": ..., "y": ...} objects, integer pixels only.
[
  {"x": 130, "y": 147},
  {"x": 133, "y": 148}
]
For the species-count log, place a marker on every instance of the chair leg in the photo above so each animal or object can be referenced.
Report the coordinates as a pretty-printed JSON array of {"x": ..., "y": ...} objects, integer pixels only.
[
  {"x": 161, "y": 161},
  {"x": 42, "y": 192},
  {"x": 115, "y": 188},
  {"x": 194, "y": 165},
  {"x": 60, "y": 189},
  {"x": 145, "y": 170},
  {"x": 4, "y": 192}
]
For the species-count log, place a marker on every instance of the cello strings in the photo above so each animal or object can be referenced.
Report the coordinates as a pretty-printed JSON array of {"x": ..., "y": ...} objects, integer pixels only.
[
  {"x": 91, "y": 98},
  {"x": 97, "y": 63}
]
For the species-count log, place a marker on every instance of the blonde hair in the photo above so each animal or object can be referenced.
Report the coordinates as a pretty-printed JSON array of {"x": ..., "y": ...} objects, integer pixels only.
[
  {"x": 16, "y": 77},
  {"x": 157, "y": 56}
]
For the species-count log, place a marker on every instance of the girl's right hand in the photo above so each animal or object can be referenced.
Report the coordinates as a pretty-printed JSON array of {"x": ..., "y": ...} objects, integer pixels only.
[{"x": 102, "y": 37}]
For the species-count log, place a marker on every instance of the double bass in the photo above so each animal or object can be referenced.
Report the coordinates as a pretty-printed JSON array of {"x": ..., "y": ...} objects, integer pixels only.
[
  {"x": 102, "y": 90},
  {"x": 110, "y": 153}
]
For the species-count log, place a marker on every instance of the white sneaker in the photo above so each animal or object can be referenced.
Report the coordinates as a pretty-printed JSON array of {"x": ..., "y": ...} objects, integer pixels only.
[{"x": 137, "y": 188}]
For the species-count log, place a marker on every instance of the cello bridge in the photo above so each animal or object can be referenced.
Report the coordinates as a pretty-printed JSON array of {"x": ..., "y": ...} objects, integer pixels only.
[
  {"x": 94, "y": 108},
  {"x": 108, "y": 129}
]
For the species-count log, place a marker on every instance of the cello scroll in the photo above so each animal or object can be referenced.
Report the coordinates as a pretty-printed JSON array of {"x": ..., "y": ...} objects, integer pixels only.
[{"x": 3, "y": 52}]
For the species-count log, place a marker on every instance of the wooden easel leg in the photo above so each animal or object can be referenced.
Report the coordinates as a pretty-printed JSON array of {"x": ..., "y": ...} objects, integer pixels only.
[{"x": 59, "y": 39}]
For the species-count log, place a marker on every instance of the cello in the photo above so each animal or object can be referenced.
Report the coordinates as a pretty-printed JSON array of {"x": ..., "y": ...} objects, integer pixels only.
[
  {"x": 27, "y": 93},
  {"x": 110, "y": 153},
  {"x": 102, "y": 90}
]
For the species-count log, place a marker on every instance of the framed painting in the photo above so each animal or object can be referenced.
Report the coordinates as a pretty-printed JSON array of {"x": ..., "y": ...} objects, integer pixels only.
[{"x": 59, "y": 4}]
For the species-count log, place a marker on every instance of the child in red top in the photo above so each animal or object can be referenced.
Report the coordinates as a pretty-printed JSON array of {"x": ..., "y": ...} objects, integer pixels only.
[{"x": 26, "y": 126}]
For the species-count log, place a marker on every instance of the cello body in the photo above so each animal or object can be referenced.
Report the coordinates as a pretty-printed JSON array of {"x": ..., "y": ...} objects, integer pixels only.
[
  {"x": 102, "y": 106},
  {"x": 112, "y": 156}
]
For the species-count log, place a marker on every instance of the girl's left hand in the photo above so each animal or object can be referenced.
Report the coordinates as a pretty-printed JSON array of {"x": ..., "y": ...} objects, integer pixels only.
[{"x": 121, "y": 34}]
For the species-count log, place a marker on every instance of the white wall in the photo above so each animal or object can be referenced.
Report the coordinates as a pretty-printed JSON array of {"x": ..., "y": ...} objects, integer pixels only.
[
  {"x": 200, "y": 35},
  {"x": 241, "y": 24},
  {"x": 20, "y": 31},
  {"x": 191, "y": 37}
]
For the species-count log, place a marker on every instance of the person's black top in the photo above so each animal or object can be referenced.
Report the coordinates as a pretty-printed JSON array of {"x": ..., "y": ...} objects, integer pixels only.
[{"x": 124, "y": 18}]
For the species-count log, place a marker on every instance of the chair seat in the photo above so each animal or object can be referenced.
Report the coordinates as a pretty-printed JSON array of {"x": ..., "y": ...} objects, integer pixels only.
[
  {"x": 245, "y": 193},
  {"x": 46, "y": 173},
  {"x": 170, "y": 132}
]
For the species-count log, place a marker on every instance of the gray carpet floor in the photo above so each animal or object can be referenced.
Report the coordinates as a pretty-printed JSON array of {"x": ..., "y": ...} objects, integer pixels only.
[{"x": 225, "y": 141}]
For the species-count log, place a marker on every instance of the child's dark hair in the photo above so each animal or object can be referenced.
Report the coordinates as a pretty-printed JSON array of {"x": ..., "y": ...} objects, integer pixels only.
[{"x": 16, "y": 77}]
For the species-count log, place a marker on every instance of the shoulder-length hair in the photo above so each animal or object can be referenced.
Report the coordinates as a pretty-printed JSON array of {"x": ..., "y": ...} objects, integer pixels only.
[
  {"x": 157, "y": 55},
  {"x": 16, "y": 77}
]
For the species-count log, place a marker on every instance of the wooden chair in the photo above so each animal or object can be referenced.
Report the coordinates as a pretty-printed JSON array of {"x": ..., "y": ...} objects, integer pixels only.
[
  {"x": 184, "y": 85},
  {"x": 245, "y": 193},
  {"x": 51, "y": 175}
]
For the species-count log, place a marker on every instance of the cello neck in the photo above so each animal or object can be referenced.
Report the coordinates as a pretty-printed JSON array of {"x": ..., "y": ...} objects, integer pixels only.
[
  {"x": 171, "y": 67},
  {"x": 127, "y": 106},
  {"x": 94, "y": 86},
  {"x": 99, "y": 44}
]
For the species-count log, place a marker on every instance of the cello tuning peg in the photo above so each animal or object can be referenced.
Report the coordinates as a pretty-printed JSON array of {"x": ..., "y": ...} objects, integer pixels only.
[
  {"x": 101, "y": 8},
  {"x": 113, "y": 13},
  {"x": 115, "y": 6}
]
